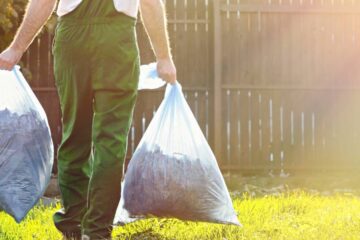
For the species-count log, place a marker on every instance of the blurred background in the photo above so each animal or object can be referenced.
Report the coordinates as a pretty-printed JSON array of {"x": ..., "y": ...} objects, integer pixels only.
[{"x": 274, "y": 85}]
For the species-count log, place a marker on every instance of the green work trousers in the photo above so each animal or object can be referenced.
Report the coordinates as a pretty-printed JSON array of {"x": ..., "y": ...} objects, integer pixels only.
[{"x": 96, "y": 66}]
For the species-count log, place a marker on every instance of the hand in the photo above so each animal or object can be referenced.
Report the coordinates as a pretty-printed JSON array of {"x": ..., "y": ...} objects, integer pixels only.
[
  {"x": 167, "y": 70},
  {"x": 9, "y": 58}
]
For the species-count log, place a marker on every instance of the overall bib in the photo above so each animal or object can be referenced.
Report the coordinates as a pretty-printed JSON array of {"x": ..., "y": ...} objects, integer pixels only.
[{"x": 96, "y": 66}]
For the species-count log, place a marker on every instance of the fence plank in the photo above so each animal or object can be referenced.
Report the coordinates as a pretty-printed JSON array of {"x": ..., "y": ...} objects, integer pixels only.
[{"x": 217, "y": 79}]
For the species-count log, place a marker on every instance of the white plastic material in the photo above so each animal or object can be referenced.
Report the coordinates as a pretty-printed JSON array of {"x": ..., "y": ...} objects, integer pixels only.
[
  {"x": 149, "y": 78},
  {"x": 26, "y": 148},
  {"x": 173, "y": 172}
]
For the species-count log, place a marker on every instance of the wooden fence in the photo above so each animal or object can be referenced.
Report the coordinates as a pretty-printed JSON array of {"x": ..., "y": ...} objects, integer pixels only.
[{"x": 274, "y": 84}]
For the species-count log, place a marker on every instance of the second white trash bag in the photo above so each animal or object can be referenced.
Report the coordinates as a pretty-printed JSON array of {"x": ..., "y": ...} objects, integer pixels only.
[
  {"x": 26, "y": 147},
  {"x": 173, "y": 172}
]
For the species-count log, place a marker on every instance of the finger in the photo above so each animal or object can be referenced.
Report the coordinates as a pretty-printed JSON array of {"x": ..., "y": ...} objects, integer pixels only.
[
  {"x": 164, "y": 76},
  {"x": 6, "y": 66},
  {"x": 172, "y": 82},
  {"x": 9, "y": 67},
  {"x": 170, "y": 75},
  {"x": 169, "y": 78},
  {"x": 173, "y": 78},
  {"x": 2, "y": 64}
]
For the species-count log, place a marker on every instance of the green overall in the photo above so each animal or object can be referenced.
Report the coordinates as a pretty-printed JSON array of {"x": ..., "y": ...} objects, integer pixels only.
[{"x": 96, "y": 66}]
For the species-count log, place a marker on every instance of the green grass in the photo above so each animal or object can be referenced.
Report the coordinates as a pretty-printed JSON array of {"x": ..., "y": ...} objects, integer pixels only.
[{"x": 296, "y": 215}]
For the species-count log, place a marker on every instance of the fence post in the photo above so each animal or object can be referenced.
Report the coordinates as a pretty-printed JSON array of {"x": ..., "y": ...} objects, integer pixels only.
[{"x": 217, "y": 79}]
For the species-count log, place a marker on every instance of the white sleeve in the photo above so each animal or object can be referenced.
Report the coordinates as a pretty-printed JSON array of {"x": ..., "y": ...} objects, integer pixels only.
[{"x": 67, "y": 6}]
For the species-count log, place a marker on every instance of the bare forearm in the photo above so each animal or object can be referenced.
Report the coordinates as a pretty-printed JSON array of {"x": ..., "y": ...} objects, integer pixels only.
[
  {"x": 154, "y": 19},
  {"x": 37, "y": 13}
]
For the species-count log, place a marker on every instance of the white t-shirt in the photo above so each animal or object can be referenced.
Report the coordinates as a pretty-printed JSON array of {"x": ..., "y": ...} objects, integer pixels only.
[{"x": 129, "y": 7}]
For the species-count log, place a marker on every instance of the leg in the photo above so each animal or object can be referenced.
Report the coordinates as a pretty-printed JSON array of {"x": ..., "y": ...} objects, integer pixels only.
[
  {"x": 75, "y": 93},
  {"x": 113, "y": 114},
  {"x": 115, "y": 90}
]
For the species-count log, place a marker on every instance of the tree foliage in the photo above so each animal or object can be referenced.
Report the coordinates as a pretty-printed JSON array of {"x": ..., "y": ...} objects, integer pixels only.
[{"x": 11, "y": 13}]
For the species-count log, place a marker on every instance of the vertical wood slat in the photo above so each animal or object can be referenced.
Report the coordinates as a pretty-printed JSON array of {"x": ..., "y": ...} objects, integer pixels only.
[
  {"x": 33, "y": 61},
  {"x": 217, "y": 79},
  {"x": 44, "y": 63}
]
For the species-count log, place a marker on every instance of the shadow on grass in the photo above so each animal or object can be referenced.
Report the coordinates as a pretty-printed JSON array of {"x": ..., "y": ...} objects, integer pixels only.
[
  {"x": 146, "y": 235},
  {"x": 325, "y": 183}
]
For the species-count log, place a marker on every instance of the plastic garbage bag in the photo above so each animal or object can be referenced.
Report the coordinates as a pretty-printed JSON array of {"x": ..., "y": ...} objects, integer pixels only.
[
  {"x": 149, "y": 78},
  {"x": 26, "y": 148},
  {"x": 173, "y": 172}
]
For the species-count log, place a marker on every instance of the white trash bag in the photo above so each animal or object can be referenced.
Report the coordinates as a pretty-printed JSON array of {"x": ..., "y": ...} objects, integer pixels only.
[
  {"x": 149, "y": 78},
  {"x": 26, "y": 147},
  {"x": 173, "y": 172}
]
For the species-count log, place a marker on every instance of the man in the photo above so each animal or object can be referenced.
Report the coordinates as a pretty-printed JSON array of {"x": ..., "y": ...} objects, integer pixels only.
[{"x": 96, "y": 66}]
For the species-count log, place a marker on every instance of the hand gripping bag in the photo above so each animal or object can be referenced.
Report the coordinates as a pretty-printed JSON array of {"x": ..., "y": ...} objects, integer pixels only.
[
  {"x": 26, "y": 148},
  {"x": 173, "y": 172}
]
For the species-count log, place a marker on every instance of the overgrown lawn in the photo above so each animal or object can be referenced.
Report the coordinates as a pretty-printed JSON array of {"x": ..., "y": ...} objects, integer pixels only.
[{"x": 297, "y": 215}]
